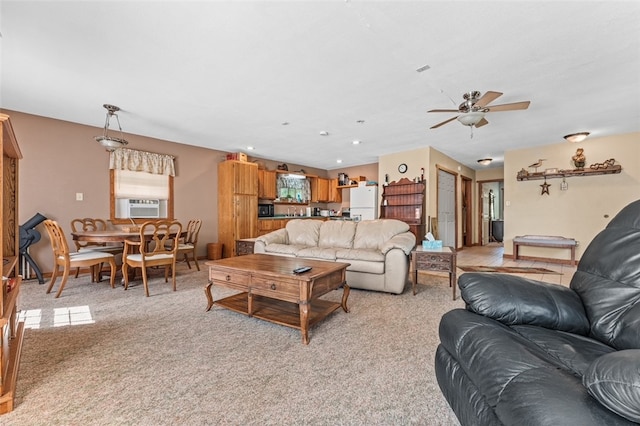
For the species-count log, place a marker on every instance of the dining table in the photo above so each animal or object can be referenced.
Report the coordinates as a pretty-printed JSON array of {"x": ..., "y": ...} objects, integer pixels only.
[{"x": 114, "y": 236}]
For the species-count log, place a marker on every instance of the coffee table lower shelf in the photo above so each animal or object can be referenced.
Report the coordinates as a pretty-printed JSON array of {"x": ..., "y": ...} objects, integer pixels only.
[{"x": 277, "y": 311}]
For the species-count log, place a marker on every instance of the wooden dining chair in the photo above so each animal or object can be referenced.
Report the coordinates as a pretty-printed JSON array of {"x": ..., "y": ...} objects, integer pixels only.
[
  {"x": 157, "y": 245},
  {"x": 67, "y": 260},
  {"x": 93, "y": 224},
  {"x": 187, "y": 245}
]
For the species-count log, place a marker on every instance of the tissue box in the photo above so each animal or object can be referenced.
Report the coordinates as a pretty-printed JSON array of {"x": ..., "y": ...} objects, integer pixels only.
[{"x": 435, "y": 244}]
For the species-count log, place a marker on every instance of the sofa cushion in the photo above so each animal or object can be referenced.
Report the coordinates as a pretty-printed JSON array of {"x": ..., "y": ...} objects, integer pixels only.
[
  {"x": 303, "y": 232},
  {"x": 614, "y": 380},
  {"x": 360, "y": 254},
  {"x": 337, "y": 234},
  {"x": 317, "y": 253},
  {"x": 287, "y": 249},
  {"x": 572, "y": 352},
  {"x": 372, "y": 234},
  {"x": 363, "y": 266}
]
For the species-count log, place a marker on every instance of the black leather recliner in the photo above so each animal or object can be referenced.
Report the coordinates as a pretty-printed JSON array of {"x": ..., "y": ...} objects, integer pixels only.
[{"x": 524, "y": 352}]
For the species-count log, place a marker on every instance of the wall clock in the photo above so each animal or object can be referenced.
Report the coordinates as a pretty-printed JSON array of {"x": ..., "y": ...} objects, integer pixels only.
[{"x": 402, "y": 168}]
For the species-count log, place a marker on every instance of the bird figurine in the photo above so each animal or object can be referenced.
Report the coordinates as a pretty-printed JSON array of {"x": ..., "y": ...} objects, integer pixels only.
[{"x": 538, "y": 164}]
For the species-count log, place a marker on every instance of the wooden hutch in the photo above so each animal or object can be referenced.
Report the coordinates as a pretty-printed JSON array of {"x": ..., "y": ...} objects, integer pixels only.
[
  {"x": 404, "y": 200},
  {"x": 11, "y": 330}
]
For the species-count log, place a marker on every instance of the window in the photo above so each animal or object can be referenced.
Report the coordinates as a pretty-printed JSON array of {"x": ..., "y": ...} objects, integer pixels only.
[{"x": 141, "y": 185}]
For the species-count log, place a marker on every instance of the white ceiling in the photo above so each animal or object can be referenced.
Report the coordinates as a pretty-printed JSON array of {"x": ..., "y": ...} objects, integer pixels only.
[{"x": 226, "y": 75}]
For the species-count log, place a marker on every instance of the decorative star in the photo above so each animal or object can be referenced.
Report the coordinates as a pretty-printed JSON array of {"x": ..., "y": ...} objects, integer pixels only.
[{"x": 545, "y": 187}]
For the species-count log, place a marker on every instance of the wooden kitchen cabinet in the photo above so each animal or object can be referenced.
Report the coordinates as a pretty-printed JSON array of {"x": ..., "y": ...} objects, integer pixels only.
[
  {"x": 268, "y": 225},
  {"x": 237, "y": 203},
  {"x": 319, "y": 190},
  {"x": 11, "y": 330},
  {"x": 335, "y": 193},
  {"x": 267, "y": 184}
]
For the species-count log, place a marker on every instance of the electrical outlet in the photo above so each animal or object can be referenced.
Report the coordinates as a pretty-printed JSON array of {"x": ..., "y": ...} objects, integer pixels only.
[{"x": 79, "y": 196}]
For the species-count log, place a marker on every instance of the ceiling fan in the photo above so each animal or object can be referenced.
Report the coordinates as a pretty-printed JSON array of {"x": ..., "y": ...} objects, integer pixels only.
[{"x": 471, "y": 112}]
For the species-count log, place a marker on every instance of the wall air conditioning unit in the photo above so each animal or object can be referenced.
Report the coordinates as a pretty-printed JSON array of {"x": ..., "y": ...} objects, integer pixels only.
[{"x": 144, "y": 208}]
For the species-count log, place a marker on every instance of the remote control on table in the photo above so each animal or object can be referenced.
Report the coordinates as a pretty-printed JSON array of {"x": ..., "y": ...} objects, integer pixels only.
[{"x": 302, "y": 269}]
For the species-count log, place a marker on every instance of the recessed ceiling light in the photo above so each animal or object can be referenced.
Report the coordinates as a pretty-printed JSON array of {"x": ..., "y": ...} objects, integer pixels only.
[
  {"x": 360, "y": 121},
  {"x": 324, "y": 133},
  {"x": 250, "y": 148},
  {"x": 338, "y": 161},
  {"x": 356, "y": 142},
  {"x": 285, "y": 123}
]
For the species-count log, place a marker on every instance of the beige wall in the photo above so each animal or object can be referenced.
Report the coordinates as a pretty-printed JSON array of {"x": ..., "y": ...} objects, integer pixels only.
[
  {"x": 370, "y": 171},
  {"x": 62, "y": 159},
  {"x": 429, "y": 159},
  {"x": 579, "y": 212}
]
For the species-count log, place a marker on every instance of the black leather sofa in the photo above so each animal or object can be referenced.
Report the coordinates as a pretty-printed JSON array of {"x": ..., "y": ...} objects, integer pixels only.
[{"x": 525, "y": 352}]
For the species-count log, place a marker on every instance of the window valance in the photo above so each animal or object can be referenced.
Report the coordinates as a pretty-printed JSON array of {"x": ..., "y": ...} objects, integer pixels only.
[{"x": 141, "y": 161}]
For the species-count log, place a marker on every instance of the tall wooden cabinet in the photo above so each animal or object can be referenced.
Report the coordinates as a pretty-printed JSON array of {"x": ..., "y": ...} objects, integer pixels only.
[
  {"x": 404, "y": 200},
  {"x": 11, "y": 330},
  {"x": 237, "y": 203}
]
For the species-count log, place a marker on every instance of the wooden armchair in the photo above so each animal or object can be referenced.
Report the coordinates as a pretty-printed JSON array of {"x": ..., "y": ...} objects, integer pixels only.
[
  {"x": 67, "y": 260},
  {"x": 93, "y": 224},
  {"x": 157, "y": 245}
]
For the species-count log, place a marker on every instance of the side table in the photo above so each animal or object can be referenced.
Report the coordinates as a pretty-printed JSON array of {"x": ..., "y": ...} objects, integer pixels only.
[
  {"x": 439, "y": 260},
  {"x": 245, "y": 246}
]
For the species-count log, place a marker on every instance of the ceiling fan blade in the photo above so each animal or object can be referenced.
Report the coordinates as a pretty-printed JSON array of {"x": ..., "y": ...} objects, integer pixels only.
[
  {"x": 481, "y": 123},
  {"x": 510, "y": 107},
  {"x": 487, "y": 98},
  {"x": 443, "y": 110},
  {"x": 443, "y": 123}
]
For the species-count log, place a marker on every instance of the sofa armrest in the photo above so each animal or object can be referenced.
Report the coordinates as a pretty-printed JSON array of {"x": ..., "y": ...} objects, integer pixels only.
[
  {"x": 278, "y": 236},
  {"x": 405, "y": 241},
  {"x": 513, "y": 300}
]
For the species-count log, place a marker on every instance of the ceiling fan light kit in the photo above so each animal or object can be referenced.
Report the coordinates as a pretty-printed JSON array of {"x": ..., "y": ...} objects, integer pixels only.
[
  {"x": 111, "y": 143},
  {"x": 576, "y": 137},
  {"x": 471, "y": 118}
]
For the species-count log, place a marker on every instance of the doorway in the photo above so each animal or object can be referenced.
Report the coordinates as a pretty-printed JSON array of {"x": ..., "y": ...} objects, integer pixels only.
[
  {"x": 467, "y": 212},
  {"x": 490, "y": 211}
]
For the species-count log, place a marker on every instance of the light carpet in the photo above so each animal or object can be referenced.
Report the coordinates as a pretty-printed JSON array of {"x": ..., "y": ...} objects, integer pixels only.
[{"x": 165, "y": 360}]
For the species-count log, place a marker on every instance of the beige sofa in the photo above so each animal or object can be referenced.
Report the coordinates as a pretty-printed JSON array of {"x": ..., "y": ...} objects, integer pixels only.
[{"x": 378, "y": 250}]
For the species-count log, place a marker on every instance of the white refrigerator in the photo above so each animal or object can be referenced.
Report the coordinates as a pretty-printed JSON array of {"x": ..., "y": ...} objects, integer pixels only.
[{"x": 363, "y": 202}]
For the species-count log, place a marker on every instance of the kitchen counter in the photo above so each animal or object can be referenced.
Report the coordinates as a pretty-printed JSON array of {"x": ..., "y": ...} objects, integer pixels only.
[{"x": 279, "y": 217}]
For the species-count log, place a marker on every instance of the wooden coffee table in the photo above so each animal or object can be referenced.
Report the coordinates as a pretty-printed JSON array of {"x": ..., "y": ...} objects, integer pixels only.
[{"x": 269, "y": 289}]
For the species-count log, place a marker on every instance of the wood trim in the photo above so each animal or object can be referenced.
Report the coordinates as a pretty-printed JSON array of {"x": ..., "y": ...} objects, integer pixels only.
[
  {"x": 112, "y": 202},
  {"x": 479, "y": 216},
  {"x": 456, "y": 191}
]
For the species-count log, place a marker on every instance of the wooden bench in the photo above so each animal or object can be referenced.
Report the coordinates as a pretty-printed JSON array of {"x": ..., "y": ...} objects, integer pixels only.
[{"x": 545, "y": 241}]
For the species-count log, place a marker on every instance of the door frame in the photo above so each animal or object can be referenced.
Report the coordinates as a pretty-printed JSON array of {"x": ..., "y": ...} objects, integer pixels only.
[
  {"x": 480, "y": 205},
  {"x": 467, "y": 199},
  {"x": 455, "y": 199}
]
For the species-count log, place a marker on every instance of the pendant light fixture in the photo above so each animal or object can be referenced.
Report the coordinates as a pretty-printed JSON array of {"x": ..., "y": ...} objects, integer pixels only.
[{"x": 111, "y": 143}]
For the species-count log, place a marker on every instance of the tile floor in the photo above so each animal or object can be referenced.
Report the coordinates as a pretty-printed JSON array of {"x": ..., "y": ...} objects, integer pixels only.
[{"x": 491, "y": 255}]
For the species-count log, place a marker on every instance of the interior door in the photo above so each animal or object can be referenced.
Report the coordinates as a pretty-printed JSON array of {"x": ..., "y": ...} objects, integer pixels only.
[{"x": 447, "y": 208}]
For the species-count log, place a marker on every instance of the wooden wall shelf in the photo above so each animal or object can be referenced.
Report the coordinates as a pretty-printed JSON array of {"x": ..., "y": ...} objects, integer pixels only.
[{"x": 569, "y": 173}]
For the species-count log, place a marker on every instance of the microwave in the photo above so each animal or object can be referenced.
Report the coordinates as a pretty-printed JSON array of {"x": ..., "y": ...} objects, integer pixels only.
[{"x": 265, "y": 210}]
